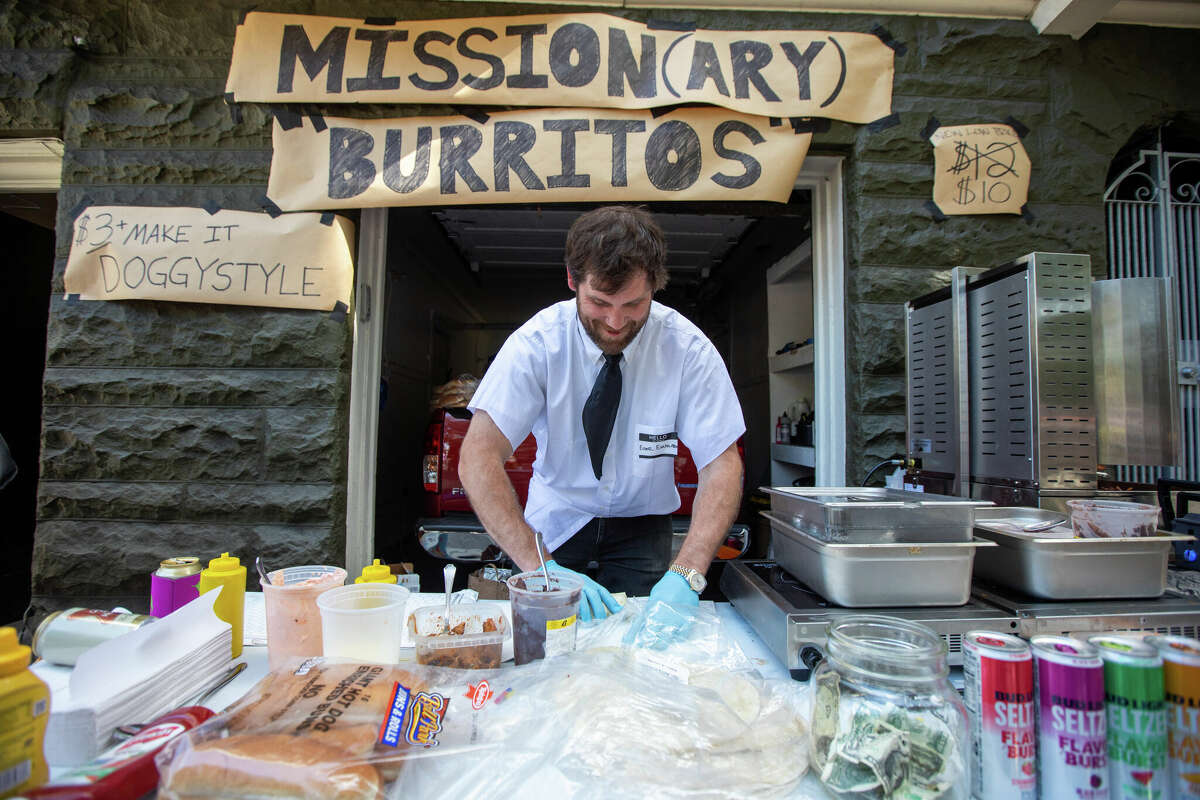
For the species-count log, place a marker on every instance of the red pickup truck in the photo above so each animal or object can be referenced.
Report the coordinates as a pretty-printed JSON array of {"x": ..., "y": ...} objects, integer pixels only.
[{"x": 450, "y": 530}]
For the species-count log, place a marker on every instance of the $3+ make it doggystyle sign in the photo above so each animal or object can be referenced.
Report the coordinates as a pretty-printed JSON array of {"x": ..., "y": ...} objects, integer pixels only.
[{"x": 187, "y": 254}]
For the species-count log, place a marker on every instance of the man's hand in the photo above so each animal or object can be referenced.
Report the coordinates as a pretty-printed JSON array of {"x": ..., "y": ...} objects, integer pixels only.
[
  {"x": 596, "y": 602},
  {"x": 668, "y": 616}
]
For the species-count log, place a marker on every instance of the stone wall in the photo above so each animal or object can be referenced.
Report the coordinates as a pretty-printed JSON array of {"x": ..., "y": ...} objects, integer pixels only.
[
  {"x": 176, "y": 428},
  {"x": 1082, "y": 101},
  {"x": 169, "y": 428}
]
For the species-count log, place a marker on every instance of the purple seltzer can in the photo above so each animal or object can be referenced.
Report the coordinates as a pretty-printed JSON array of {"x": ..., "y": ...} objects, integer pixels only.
[{"x": 1072, "y": 730}]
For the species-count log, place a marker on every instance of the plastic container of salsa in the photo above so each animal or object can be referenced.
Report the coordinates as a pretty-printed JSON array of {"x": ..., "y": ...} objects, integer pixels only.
[{"x": 473, "y": 639}]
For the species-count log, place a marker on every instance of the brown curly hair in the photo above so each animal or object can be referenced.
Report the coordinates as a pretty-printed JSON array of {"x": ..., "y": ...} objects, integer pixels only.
[{"x": 611, "y": 244}]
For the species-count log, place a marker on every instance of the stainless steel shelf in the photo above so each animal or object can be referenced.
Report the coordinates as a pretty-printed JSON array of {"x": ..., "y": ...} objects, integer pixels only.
[
  {"x": 792, "y": 359},
  {"x": 796, "y": 454}
]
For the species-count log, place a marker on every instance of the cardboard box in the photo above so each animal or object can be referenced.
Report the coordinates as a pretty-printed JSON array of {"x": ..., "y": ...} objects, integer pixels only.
[{"x": 488, "y": 589}]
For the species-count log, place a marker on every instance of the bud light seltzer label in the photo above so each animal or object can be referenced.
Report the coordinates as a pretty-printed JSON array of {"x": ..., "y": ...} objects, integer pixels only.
[
  {"x": 1181, "y": 682},
  {"x": 1072, "y": 732},
  {"x": 998, "y": 690},
  {"x": 1137, "y": 718}
]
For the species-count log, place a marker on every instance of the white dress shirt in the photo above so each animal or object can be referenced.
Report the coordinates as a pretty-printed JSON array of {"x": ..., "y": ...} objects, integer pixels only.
[{"x": 675, "y": 387}]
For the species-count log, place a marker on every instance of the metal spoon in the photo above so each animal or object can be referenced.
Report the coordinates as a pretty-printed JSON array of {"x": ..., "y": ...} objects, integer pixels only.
[
  {"x": 537, "y": 538},
  {"x": 262, "y": 571},
  {"x": 1043, "y": 525},
  {"x": 448, "y": 576}
]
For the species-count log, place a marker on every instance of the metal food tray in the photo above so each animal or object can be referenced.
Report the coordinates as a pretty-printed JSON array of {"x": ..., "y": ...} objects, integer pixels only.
[
  {"x": 855, "y": 514},
  {"x": 876, "y": 575},
  {"x": 1054, "y": 565}
]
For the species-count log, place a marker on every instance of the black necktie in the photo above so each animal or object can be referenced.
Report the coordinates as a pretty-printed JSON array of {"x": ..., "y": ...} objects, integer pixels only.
[{"x": 600, "y": 410}]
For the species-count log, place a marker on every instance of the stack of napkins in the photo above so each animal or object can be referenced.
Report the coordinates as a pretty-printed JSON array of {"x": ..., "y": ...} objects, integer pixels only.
[{"x": 134, "y": 678}]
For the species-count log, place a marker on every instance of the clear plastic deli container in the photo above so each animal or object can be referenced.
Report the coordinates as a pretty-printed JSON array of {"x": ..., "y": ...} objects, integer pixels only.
[
  {"x": 293, "y": 619},
  {"x": 363, "y": 621},
  {"x": 1112, "y": 519},
  {"x": 473, "y": 639}
]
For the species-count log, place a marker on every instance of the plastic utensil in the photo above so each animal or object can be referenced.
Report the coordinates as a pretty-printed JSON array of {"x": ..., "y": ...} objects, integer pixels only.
[
  {"x": 537, "y": 537},
  {"x": 448, "y": 578},
  {"x": 263, "y": 577}
]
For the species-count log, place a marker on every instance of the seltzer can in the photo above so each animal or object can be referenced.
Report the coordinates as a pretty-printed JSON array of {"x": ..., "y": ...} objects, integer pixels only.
[
  {"x": 1136, "y": 717},
  {"x": 998, "y": 690},
  {"x": 64, "y": 635},
  {"x": 1072, "y": 730},
  {"x": 1181, "y": 683},
  {"x": 174, "y": 584}
]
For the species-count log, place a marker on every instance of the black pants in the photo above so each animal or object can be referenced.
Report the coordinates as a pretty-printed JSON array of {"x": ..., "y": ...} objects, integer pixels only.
[{"x": 623, "y": 554}]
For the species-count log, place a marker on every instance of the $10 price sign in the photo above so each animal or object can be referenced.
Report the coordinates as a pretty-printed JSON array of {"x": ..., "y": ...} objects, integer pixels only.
[{"x": 979, "y": 169}]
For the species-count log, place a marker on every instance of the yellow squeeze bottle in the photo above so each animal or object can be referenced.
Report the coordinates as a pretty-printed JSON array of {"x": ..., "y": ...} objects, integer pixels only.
[
  {"x": 376, "y": 573},
  {"x": 231, "y": 605},
  {"x": 24, "y": 712}
]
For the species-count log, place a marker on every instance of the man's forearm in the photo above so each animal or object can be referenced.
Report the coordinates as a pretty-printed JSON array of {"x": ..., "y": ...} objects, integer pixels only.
[
  {"x": 481, "y": 471},
  {"x": 718, "y": 496}
]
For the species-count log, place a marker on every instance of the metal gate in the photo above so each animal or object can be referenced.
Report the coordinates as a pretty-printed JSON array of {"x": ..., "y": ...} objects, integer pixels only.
[{"x": 1153, "y": 217}]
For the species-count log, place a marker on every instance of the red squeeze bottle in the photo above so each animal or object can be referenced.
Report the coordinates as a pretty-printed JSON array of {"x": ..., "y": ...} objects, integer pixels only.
[{"x": 126, "y": 770}]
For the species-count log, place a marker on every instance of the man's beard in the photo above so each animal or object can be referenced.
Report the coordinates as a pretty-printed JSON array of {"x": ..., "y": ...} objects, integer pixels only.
[{"x": 596, "y": 332}]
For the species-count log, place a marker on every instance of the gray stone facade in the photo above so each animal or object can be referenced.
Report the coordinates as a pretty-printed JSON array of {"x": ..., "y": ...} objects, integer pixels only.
[{"x": 176, "y": 428}]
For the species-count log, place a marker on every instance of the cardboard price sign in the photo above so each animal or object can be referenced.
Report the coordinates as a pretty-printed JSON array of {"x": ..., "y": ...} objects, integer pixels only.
[
  {"x": 593, "y": 60},
  {"x": 189, "y": 255},
  {"x": 545, "y": 155},
  {"x": 979, "y": 169}
]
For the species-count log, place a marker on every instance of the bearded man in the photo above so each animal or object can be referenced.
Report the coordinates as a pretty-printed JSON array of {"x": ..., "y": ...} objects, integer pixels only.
[{"x": 609, "y": 385}]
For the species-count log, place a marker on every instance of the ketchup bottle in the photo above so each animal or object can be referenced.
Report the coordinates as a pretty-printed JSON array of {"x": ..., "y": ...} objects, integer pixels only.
[{"x": 126, "y": 770}]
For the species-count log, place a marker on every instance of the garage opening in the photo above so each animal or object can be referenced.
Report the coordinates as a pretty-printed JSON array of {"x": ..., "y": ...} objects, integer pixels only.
[{"x": 459, "y": 280}]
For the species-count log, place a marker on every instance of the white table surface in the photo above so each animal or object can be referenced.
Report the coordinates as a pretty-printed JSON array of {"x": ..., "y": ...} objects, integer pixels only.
[{"x": 255, "y": 658}]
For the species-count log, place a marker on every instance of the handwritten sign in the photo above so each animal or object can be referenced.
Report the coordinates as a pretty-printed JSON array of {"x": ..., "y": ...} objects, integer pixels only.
[
  {"x": 593, "y": 60},
  {"x": 189, "y": 255},
  {"x": 543, "y": 155},
  {"x": 979, "y": 169}
]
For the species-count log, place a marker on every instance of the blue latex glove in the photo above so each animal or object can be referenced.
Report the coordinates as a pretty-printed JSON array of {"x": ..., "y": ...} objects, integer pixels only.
[
  {"x": 668, "y": 616},
  {"x": 596, "y": 601}
]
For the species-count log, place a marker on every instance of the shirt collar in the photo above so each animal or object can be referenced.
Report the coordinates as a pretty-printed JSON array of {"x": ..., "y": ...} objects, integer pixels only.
[{"x": 593, "y": 351}]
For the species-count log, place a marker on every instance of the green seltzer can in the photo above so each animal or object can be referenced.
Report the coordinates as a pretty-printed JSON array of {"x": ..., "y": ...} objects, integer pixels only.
[{"x": 1137, "y": 718}]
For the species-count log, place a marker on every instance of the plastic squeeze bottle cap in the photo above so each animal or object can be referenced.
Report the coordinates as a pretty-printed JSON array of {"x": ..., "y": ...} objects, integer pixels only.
[
  {"x": 376, "y": 573},
  {"x": 225, "y": 565},
  {"x": 14, "y": 656}
]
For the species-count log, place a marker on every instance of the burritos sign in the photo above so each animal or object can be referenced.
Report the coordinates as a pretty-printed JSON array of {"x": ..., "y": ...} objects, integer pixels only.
[
  {"x": 979, "y": 169},
  {"x": 231, "y": 257},
  {"x": 537, "y": 155},
  {"x": 593, "y": 60}
]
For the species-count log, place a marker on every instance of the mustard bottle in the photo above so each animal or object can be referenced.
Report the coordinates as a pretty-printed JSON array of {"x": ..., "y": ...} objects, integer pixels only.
[
  {"x": 24, "y": 712},
  {"x": 231, "y": 605},
  {"x": 376, "y": 573}
]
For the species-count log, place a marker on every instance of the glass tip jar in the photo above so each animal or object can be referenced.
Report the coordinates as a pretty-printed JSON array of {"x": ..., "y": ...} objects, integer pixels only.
[{"x": 886, "y": 723}]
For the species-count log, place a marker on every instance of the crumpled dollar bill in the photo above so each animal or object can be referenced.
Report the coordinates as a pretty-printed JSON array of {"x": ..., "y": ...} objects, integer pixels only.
[{"x": 863, "y": 750}]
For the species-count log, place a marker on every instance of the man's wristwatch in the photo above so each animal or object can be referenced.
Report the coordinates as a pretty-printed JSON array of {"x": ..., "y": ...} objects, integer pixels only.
[{"x": 694, "y": 577}]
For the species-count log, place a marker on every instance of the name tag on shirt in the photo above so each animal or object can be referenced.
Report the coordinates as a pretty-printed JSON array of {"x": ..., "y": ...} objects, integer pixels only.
[{"x": 656, "y": 445}]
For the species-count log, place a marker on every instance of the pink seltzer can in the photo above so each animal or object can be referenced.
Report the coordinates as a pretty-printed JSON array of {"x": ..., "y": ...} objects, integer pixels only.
[
  {"x": 1072, "y": 730},
  {"x": 998, "y": 691}
]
